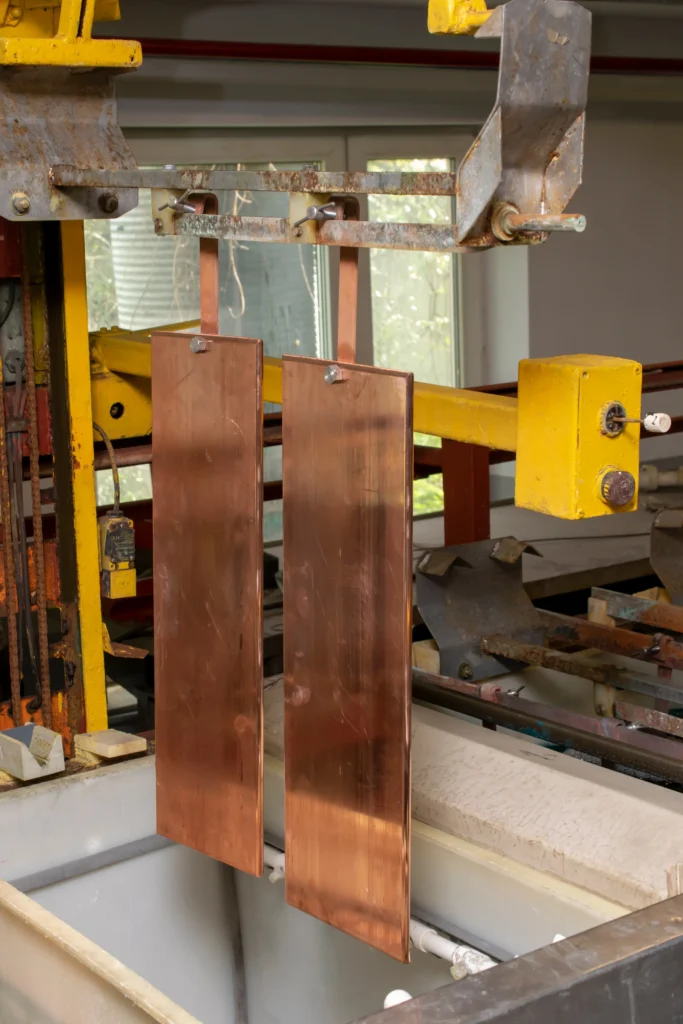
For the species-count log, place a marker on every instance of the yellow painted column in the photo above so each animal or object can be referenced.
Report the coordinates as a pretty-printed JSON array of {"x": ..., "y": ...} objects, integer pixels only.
[{"x": 83, "y": 474}]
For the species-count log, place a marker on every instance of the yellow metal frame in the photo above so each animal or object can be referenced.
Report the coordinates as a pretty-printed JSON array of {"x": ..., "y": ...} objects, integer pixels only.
[
  {"x": 60, "y": 35},
  {"x": 554, "y": 425},
  {"x": 83, "y": 475},
  {"x": 456, "y": 17},
  {"x": 121, "y": 369},
  {"x": 564, "y": 451}
]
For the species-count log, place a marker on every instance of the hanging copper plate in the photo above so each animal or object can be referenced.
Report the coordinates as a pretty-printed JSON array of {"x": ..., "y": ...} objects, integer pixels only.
[
  {"x": 347, "y": 478},
  {"x": 208, "y": 578}
]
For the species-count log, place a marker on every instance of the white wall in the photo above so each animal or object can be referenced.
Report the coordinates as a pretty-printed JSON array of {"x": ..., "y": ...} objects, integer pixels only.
[{"x": 618, "y": 289}]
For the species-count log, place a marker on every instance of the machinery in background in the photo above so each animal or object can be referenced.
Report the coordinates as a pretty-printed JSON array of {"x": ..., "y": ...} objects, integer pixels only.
[{"x": 347, "y": 435}]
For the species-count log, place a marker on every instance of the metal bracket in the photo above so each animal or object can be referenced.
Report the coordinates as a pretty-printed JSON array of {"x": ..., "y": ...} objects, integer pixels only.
[
  {"x": 56, "y": 115},
  {"x": 529, "y": 154},
  {"x": 666, "y": 551},
  {"x": 469, "y": 592}
]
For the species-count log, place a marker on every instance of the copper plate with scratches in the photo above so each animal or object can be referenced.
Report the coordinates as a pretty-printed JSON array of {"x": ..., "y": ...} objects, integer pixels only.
[
  {"x": 347, "y": 479},
  {"x": 208, "y": 580}
]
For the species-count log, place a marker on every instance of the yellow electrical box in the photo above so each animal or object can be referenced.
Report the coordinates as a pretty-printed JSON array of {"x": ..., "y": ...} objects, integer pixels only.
[
  {"x": 577, "y": 456},
  {"x": 117, "y": 555}
]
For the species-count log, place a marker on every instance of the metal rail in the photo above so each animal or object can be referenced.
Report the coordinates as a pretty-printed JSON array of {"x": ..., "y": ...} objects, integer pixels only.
[
  {"x": 307, "y": 180},
  {"x": 628, "y": 970}
]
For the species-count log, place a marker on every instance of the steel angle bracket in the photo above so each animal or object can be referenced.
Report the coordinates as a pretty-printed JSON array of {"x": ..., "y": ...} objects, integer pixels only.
[
  {"x": 666, "y": 551},
  {"x": 529, "y": 154},
  {"x": 57, "y": 116},
  {"x": 472, "y": 591}
]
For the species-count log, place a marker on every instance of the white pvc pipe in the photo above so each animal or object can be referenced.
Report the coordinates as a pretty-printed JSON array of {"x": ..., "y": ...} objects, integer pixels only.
[{"x": 463, "y": 959}]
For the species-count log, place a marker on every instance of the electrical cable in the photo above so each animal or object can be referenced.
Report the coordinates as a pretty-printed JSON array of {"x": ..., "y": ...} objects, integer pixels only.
[{"x": 114, "y": 467}]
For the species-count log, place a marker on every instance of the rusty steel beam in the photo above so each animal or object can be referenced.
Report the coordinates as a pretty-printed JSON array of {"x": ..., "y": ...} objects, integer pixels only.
[
  {"x": 601, "y": 737},
  {"x": 605, "y": 675},
  {"x": 630, "y": 608},
  {"x": 308, "y": 180},
  {"x": 649, "y": 718},
  {"x": 660, "y": 649}
]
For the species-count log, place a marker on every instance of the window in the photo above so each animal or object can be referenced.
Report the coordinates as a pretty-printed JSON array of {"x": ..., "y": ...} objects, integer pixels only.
[
  {"x": 414, "y": 322},
  {"x": 279, "y": 293},
  {"x": 409, "y": 303}
]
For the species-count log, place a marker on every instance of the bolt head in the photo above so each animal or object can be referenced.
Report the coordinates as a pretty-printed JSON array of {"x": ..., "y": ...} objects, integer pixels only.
[
  {"x": 465, "y": 671},
  {"x": 108, "y": 202},
  {"x": 20, "y": 203},
  {"x": 333, "y": 375},
  {"x": 618, "y": 488},
  {"x": 198, "y": 345}
]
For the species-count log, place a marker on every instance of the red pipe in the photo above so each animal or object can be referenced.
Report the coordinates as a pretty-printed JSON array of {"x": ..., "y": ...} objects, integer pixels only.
[{"x": 481, "y": 60}]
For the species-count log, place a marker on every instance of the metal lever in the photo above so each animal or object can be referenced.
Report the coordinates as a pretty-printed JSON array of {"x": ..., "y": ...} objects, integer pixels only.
[
  {"x": 178, "y": 205},
  {"x": 655, "y": 423},
  {"x": 319, "y": 213},
  {"x": 614, "y": 417}
]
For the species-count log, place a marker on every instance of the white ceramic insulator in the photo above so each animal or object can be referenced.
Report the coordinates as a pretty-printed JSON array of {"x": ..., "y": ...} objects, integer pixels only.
[
  {"x": 397, "y": 997},
  {"x": 657, "y": 423}
]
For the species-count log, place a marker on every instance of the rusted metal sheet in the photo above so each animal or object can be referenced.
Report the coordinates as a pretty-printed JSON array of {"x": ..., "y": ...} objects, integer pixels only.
[
  {"x": 208, "y": 580},
  {"x": 347, "y": 475},
  {"x": 82, "y": 128},
  {"x": 29, "y": 713},
  {"x": 51, "y": 564}
]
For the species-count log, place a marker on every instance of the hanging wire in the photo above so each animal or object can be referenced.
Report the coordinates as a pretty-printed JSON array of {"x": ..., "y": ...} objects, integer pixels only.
[{"x": 114, "y": 467}]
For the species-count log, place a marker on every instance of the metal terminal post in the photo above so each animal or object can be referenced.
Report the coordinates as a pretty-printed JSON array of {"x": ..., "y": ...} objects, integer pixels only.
[
  {"x": 508, "y": 222},
  {"x": 20, "y": 203},
  {"x": 618, "y": 488},
  {"x": 178, "y": 205},
  {"x": 614, "y": 419},
  {"x": 318, "y": 213}
]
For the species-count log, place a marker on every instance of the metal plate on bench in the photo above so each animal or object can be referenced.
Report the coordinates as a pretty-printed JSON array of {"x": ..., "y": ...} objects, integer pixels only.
[
  {"x": 347, "y": 478},
  {"x": 208, "y": 580}
]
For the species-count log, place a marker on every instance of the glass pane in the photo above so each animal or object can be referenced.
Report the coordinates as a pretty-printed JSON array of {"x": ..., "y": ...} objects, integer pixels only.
[
  {"x": 136, "y": 484},
  {"x": 274, "y": 292},
  {"x": 414, "y": 326},
  {"x": 414, "y": 315}
]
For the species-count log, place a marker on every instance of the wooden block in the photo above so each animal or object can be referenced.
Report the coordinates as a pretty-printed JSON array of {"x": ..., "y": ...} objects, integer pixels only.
[
  {"x": 426, "y": 656},
  {"x": 110, "y": 743},
  {"x": 31, "y": 752}
]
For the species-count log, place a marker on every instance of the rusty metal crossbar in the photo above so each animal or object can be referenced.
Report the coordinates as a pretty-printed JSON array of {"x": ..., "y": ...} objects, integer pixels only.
[
  {"x": 218, "y": 180},
  {"x": 603, "y": 674},
  {"x": 599, "y": 736},
  {"x": 349, "y": 234},
  {"x": 630, "y": 608}
]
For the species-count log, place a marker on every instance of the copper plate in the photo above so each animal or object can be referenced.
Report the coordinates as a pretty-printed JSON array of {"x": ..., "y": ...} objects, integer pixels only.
[
  {"x": 347, "y": 480},
  {"x": 208, "y": 580}
]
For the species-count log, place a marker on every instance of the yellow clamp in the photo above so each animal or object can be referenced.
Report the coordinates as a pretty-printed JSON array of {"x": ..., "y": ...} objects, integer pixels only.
[{"x": 456, "y": 17}]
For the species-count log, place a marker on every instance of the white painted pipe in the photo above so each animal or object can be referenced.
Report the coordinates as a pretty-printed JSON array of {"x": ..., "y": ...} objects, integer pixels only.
[
  {"x": 395, "y": 998},
  {"x": 463, "y": 959},
  {"x": 652, "y": 478},
  {"x": 275, "y": 860}
]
